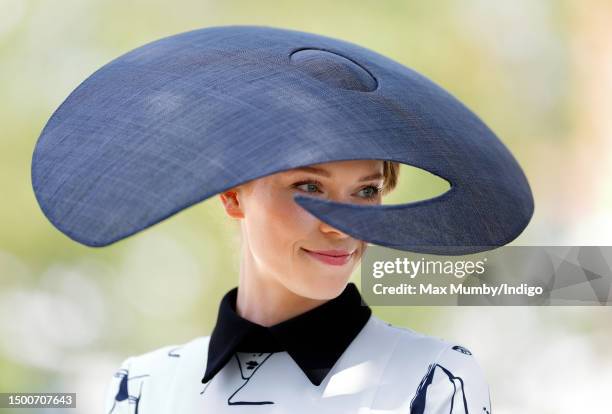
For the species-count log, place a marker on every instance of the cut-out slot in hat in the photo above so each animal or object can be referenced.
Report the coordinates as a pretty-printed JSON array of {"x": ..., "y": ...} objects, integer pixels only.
[{"x": 181, "y": 119}]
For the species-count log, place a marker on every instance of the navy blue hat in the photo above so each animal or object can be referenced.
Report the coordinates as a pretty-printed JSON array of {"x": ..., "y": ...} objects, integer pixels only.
[{"x": 176, "y": 121}]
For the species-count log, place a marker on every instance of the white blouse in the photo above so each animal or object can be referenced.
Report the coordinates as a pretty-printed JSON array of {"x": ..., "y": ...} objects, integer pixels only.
[{"x": 385, "y": 369}]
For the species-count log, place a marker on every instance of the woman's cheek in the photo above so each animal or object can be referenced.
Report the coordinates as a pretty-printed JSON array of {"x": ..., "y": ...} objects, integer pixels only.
[
  {"x": 288, "y": 211},
  {"x": 301, "y": 217}
]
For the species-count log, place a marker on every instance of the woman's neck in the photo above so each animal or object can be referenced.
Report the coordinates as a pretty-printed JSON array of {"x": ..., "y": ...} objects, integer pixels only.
[{"x": 264, "y": 300}]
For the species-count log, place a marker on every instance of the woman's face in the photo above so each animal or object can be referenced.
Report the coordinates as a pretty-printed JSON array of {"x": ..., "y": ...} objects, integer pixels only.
[{"x": 282, "y": 238}]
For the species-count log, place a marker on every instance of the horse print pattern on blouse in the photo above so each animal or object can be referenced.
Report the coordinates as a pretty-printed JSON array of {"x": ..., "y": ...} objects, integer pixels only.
[{"x": 123, "y": 396}]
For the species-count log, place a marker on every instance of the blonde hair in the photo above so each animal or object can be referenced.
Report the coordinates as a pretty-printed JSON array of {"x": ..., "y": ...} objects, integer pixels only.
[{"x": 391, "y": 175}]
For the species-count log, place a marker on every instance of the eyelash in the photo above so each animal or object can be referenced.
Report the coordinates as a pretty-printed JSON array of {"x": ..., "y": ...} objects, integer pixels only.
[{"x": 377, "y": 189}]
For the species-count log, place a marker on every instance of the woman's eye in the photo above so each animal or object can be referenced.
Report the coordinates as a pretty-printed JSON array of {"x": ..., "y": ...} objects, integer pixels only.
[
  {"x": 371, "y": 191},
  {"x": 309, "y": 187}
]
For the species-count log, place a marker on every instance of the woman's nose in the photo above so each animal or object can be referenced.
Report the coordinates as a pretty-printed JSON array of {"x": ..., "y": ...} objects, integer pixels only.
[
  {"x": 332, "y": 231},
  {"x": 328, "y": 229}
]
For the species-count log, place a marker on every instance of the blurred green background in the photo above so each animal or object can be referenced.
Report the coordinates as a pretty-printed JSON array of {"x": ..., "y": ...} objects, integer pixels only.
[{"x": 539, "y": 73}]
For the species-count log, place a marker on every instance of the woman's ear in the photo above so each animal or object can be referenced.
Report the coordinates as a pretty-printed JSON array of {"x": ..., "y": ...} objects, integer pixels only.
[{"x": 232, "y": 204}]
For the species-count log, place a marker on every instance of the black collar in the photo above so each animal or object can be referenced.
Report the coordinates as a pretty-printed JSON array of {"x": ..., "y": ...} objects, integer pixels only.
[{"x": 315, "y": 339}]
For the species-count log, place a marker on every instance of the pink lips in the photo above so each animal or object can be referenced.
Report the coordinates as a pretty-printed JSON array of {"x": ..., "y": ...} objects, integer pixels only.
[{"x": 332, "y": 257}]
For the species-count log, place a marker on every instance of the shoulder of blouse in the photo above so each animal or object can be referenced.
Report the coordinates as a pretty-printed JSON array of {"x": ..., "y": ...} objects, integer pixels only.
[
  {"x": 424, "y": 366},
  {"x": 152, "y": 374},
  {"x": 406, "y": 344}
]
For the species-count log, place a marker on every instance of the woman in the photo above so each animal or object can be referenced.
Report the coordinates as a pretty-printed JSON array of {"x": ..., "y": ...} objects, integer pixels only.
[
  {"x": 293, "y": 336},
  {"x": 293, "y": 131}
]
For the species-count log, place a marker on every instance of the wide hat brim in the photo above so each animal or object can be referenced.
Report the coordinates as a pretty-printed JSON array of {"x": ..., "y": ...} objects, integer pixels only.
[{"x": 178, "y": 120}]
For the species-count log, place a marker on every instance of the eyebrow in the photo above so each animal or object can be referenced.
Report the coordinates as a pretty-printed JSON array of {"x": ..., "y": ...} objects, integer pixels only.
[{"x": 325, "y": 173}]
